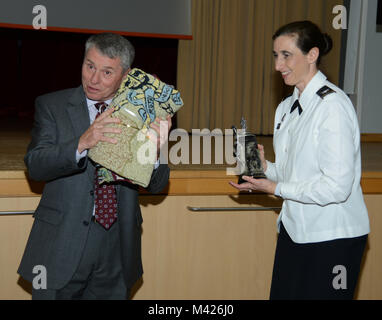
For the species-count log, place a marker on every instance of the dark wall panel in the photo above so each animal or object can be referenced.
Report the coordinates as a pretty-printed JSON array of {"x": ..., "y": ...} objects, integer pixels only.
[{"x": 37, "y": 62}]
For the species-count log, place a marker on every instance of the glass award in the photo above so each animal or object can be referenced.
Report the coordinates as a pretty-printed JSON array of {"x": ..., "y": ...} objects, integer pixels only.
[{"x": 247, "y": 153}]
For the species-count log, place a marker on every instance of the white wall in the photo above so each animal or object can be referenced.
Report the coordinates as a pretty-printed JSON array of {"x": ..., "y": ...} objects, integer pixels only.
[
  {"x": 371, "y": 117},
  {"x": 365, "y": 61}
]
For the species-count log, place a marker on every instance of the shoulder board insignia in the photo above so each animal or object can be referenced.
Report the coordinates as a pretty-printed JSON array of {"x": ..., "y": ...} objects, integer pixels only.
[{"x": 324, "y": 91}]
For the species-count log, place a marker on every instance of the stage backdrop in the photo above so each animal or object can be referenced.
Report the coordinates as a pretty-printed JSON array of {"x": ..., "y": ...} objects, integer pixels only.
[{"x": 165, "y": 18}]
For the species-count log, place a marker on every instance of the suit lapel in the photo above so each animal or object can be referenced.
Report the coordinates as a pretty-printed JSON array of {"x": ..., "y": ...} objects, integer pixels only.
[
  {"x": 79, "y": 115},
  {"x": 78, "y": 111}
]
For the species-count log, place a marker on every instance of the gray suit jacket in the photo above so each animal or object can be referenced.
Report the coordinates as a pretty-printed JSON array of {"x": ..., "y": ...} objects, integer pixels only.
[{"x": 62, "y": 218}]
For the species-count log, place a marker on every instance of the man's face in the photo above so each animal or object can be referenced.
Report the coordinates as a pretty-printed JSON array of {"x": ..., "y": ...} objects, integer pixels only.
[{"x": 101, "y": 75}]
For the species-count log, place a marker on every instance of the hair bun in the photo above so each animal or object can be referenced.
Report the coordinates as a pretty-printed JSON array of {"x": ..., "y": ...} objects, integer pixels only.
[{"x": 327, "y": 44}]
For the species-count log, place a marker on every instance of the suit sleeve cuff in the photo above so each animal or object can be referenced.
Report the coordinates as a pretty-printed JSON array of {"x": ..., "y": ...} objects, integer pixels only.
[
  {"x": 156, "y": 164},
  {"x": 277, "y": 190},
  {"x": 271, "y": 171},
  {"x": 81, "y": 155}
]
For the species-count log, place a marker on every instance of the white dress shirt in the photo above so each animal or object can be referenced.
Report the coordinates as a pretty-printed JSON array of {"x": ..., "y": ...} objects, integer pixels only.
[{"x": 318, "y": 166}]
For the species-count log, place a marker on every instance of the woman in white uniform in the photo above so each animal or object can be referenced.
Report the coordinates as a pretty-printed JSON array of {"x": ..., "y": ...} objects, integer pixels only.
[{"x": 323, "y": 224}]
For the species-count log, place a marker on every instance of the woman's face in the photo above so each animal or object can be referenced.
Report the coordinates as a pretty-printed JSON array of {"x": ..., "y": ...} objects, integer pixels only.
[{"x": 296, "y": 68}]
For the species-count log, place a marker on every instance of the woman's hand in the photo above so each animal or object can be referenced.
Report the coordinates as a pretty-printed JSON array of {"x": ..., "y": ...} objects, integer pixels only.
[
  {"x": 262, "y": 156},
  {"x": 262, "y": 185}
]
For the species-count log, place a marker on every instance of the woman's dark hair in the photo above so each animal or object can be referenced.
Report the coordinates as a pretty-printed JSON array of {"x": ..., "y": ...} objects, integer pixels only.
[{"x": 309, "y": 36}]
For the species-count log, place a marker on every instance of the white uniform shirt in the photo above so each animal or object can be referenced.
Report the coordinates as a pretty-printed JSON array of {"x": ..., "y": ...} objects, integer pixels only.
[{"x": 318, "y": 166}]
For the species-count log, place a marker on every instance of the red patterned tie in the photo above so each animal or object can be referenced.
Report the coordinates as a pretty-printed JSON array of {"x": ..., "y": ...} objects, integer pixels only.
[{"x": 105, "y": 200}]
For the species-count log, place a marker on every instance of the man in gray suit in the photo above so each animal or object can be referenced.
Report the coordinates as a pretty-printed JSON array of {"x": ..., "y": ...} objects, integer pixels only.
[{"x": 82, "y": 259}]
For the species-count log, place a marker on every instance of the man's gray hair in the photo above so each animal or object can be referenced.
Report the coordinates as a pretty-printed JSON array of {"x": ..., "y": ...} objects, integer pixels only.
[{"x": 113, "y": 45}]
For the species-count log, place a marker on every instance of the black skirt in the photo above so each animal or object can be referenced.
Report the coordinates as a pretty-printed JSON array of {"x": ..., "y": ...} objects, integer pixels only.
[{"x": 326, "y": 270}]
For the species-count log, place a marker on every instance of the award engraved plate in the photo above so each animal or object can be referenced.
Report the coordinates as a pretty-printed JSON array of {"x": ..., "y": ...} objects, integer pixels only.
[{"x": 247, "y": 153}]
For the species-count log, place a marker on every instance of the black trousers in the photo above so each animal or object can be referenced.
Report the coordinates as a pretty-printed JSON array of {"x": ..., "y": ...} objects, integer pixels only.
[
  {"x": 316, "y": 271},
  {"x": 99, "y": 274}
]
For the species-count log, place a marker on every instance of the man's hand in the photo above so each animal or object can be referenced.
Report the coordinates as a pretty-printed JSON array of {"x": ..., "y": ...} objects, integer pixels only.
[
  {"x": 158, "y": 132},
  {"x": 96, "y": 131}
]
